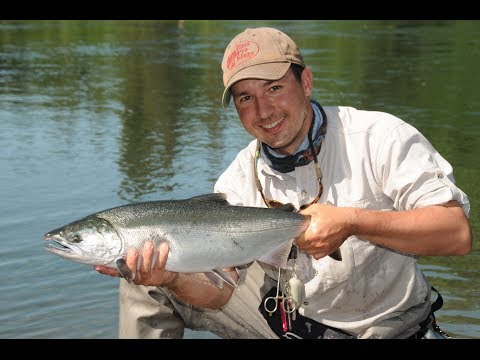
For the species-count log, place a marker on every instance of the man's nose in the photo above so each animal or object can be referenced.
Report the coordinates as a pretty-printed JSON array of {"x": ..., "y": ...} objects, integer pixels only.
[{"x": 265, "y": 108}]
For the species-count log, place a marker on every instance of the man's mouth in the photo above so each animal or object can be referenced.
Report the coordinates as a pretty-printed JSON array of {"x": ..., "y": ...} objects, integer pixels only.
[{"x": 275, "y": 123}]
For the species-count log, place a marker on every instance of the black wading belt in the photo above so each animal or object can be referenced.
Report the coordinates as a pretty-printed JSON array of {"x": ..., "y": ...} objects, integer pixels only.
[
  {"x": 306, "y": 328},
  {"x": 302, "y": 327},
  {"x": 437, "y": 304}
]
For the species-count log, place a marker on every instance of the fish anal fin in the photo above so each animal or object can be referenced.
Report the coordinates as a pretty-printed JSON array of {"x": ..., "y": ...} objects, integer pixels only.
[
  {"x": 278, "y": 257},
  {"x": 124, "y": 270},
  {"x": 218, "y": 277}
]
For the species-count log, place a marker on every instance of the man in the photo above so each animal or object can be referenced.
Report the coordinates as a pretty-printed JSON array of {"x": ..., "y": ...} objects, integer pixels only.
[{"x": 379, "y": 196}]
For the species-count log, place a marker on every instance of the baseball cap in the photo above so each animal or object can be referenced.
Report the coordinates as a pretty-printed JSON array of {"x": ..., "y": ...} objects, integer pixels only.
[{"x": 258, "y": 53}]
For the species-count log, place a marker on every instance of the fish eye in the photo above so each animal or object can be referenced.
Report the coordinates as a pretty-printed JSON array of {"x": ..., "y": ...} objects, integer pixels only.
[{"x": 76, "y": 238}]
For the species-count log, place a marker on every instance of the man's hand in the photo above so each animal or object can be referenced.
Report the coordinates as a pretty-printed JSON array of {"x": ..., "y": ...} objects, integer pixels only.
[
  {"x": 150, "y": 270},
  {"x": 329, "y": 228}
]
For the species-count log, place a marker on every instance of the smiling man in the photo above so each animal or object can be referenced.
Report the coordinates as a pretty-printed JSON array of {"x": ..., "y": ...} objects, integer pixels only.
[{"x": 378, "y": 193}]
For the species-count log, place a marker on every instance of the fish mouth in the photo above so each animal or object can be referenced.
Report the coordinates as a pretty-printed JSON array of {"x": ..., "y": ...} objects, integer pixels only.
[{"x": 59, "y": 246}]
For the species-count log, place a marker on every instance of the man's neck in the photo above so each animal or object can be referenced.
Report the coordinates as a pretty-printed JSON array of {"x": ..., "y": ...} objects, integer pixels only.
[{"x": 293, "y": 147}]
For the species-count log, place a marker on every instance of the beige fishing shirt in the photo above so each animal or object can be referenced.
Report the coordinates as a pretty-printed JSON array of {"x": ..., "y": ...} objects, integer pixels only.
[{"x": 368, "y": 160}]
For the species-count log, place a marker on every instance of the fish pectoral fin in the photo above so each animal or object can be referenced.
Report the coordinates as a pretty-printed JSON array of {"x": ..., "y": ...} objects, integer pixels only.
[
  {"x": 124, "y": 270},
  {"x": 218, "y": 277}
]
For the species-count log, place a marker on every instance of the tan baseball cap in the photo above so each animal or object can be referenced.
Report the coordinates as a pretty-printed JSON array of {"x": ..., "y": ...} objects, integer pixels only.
[{"x": 259, "y": 53}]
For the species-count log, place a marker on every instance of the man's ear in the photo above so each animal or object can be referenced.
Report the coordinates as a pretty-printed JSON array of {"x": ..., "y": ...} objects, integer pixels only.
[{"x": 307, "y": 81}]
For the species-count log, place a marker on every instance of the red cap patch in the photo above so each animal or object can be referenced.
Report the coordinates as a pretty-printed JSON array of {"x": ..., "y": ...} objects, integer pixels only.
[{"x": 242, "y": 52}]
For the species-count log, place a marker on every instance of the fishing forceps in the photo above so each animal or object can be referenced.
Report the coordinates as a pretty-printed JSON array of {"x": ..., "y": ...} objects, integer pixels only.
[{"x": 288, "y": 309}]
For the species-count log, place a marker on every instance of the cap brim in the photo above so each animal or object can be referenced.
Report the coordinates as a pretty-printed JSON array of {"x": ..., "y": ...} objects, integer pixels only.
[{"x": 269, "y": 71}]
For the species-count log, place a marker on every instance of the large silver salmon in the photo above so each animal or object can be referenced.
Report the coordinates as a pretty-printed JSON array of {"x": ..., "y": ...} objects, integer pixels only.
[{"x": 205, "y": 234}]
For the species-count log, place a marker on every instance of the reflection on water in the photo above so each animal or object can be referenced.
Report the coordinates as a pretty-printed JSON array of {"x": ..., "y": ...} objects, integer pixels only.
[{"x": 95, "y": 114}]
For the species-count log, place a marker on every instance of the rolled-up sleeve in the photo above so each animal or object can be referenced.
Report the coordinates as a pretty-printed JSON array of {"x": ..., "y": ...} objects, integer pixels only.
[{"x": 413, "y": 174}]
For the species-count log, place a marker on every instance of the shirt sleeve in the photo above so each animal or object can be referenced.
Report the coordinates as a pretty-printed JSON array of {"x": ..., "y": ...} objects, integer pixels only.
[
  {"x": 413, "y": 174},
  {"x": 237, "y": 181}
]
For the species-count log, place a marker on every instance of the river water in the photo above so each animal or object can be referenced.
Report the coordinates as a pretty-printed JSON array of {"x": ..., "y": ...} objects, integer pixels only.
[{"x": 95, "y": 114}]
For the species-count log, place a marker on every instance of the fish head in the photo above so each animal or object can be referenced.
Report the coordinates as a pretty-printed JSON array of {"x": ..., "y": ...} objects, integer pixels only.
[{"x": 91, "y": 240}]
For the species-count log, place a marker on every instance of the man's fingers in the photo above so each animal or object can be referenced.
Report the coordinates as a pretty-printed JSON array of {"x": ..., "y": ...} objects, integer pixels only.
[
  {"x": 162, "y": 256},
  {"x": 106, "y": 270},
  {"x": 147, "y": 257},
  {"x": 146, "y": 266},
  {"x": 132, "y": 261}
]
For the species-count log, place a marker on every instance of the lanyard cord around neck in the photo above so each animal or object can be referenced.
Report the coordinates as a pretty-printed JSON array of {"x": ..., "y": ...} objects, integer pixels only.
[{"x": 274, "y": 203}]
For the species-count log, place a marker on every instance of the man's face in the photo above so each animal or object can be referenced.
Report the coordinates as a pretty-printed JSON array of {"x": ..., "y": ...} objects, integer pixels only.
[{"x": 276, "y": 112}]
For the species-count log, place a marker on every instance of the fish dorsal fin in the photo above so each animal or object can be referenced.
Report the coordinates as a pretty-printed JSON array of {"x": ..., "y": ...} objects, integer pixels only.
[
  {"x": 288, "y": 207},
  {"x": 218, "y": 277},
  {"x": 218, "y": 197},
  {"x": 278, "y": 257}
]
